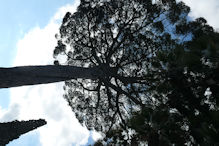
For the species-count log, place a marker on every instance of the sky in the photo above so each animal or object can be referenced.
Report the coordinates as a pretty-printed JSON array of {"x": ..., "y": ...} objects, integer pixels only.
[{"x": 27, "y": 37}]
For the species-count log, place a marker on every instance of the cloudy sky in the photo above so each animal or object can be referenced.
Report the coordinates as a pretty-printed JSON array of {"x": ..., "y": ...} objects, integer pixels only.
[{"x": 27, "y": 37}]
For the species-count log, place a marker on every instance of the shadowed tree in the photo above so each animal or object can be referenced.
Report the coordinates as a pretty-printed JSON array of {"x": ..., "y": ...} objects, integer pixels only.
[
  {"x": 123, "y": 35},
  {"x": 129, "y": 63},
  {"x": 32, "y": 75},
  {"x": 13, "y": 130},
  {"x": 187, "y": 90},
  {"x": 130, "y": 36}
]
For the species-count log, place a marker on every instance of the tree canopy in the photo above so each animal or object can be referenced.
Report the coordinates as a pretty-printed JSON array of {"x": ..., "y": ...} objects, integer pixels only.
[{"x": 158, "y": 81}]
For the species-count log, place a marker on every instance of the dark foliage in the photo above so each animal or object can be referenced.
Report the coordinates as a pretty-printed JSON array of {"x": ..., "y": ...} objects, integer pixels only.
[{"x": 163, "y": 86}]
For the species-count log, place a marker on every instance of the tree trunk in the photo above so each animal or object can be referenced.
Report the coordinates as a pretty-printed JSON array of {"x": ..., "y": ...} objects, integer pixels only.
[
  {"x": 13, "y": 130},
  {"x": 32, "y": 75}
]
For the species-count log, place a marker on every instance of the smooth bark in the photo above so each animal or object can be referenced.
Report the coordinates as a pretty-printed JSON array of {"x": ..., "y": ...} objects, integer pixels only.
[{"x": 32, "y": 75}]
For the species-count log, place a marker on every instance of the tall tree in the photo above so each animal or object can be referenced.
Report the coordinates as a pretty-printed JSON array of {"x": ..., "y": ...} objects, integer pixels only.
[
  {"x": 134, "y": 62},
  {"x": 32, "y": 75},
  {"x": 129, "y": 36},
  {"x": 13, "y": 130}
]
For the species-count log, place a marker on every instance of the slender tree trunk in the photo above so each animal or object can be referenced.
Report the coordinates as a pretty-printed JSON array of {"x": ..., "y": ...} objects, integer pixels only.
[
  {"x": 32, "y": 75},
  {"x": 13, "y": 130}
]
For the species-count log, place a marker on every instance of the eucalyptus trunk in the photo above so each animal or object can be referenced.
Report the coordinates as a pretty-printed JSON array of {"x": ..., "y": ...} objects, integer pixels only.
[{"x": 32, "y": 75}]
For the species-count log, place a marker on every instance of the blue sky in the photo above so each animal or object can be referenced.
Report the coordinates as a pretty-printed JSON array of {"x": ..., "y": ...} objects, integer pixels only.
[
  {"x": 29, "y": 26},
  {"x": 27, "y": 37},
  {"x": 17, "y": 18}
]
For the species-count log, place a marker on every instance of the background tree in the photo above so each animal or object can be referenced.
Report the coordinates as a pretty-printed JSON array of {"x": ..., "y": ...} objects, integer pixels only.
[
  {"x": 188, "y": 109},
  {"x": 132, "y": 42},
  {"x": 192, "y": 81},
  {"x": 13, "y": 130}
]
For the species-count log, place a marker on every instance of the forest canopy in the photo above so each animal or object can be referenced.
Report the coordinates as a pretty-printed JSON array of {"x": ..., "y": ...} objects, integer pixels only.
[{"x": 159, "y": 72}]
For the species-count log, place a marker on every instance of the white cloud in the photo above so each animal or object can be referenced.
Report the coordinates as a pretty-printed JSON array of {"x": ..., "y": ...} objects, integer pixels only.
[
  {"x": 209, "y": 9},
  {"x": 95, "y": 135},
  {"x": 44, "y": 101},
  {"x": 62, "y": 11}
]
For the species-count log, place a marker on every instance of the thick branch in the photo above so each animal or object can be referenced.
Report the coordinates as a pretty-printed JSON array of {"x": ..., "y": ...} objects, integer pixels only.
[{"x": 120, "y": 91}]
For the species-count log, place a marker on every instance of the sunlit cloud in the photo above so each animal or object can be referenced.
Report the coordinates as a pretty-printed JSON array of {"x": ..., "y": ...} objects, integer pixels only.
[
  {"x": 44, "y": 101},
  {"x": 209, "y": 9}
]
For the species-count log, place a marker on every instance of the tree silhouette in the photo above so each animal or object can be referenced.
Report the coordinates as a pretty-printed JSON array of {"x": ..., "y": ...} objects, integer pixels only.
[
  {"x": 116, "y": 34},
  {"x": 155, "y": 91},
  {"x": 32, "y": 75},
  {"x": 187, "y": 89},
  {"x": 12, "y": 130},
  {"x": 142, "y": 72}
]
